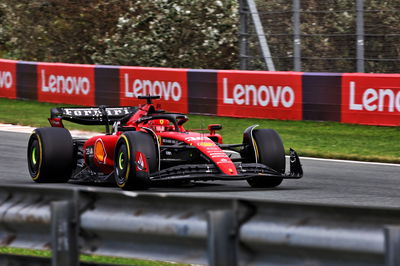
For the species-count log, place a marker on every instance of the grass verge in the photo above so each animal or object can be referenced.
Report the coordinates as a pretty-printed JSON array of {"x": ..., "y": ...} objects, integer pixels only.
[
  {"x": 88, "y": 258},
  {"x": 309, "y": 138}
]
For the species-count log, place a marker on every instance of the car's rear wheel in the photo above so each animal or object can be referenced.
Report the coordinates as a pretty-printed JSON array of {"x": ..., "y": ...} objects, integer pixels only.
[
  {"x": 135, "y": 158},
  {"x": 50, "y": 155},
  {"x": 269, "y": 150}
]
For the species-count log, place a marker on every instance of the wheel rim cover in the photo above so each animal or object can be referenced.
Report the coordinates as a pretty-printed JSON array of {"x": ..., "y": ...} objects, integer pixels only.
[
  {"x": 121, "y": 160},
  {"x": 34, "y": 156}
]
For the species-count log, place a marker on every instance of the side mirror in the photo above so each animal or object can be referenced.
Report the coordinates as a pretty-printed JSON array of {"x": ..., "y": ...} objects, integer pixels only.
[{"x": 214, "y": 127}]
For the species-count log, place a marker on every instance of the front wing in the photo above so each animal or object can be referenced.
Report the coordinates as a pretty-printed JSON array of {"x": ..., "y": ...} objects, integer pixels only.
[
  {"x": 206, "y": 172},
  {"x": 197, "y": 172}
]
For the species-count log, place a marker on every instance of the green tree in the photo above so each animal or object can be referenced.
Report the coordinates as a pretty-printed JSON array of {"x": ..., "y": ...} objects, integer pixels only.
[
  {"x": 185, "y": 33},
  {"x": 196, "y": 34},
  {"x": 60, "y": 30}
]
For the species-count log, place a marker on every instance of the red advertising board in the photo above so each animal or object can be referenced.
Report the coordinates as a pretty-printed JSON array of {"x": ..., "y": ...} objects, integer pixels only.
[
  {"x": 8, "y": 79},
  {"x": 372, "y": 99},
  {"x": 170, "y": 84},
  {"x": 260, "y": 94},
  {"x": 66, "y": 83}
]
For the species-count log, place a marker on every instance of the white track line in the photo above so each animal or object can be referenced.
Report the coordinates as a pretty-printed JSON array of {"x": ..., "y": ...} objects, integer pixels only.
[
  {"x": 16, "y": 128},
  {"x": 27, "y": 129},
  {"x": 347, "y": 161},
  {"x": 77, "y": 133}
]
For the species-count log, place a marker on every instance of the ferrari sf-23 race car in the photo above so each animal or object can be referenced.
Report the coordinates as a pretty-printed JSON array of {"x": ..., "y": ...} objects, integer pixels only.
[{"x": 145, "y": 146}]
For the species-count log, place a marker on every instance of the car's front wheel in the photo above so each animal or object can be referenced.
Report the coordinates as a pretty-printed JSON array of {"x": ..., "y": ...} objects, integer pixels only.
[
  {"x": 268, "y": 150},
  {"x": 135, "y": 158}
]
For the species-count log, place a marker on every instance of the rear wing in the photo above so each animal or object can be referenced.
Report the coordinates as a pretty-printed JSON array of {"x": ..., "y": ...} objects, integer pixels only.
[{"x": 90, "y": 115}]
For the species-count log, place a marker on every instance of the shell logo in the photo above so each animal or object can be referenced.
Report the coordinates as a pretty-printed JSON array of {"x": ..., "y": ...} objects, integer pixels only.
[{"x": 206, "y": 144}]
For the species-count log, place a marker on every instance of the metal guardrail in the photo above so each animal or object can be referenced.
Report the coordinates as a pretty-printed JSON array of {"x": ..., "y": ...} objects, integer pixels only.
[{"x": 212, "y": 231}]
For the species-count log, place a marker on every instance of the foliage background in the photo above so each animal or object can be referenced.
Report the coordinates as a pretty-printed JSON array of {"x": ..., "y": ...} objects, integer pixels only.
[{"x": 196, "y": 34}]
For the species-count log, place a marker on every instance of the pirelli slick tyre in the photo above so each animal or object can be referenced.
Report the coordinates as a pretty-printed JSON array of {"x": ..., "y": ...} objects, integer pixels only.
[
  {"x": 269, "y": 151},
  {"x": 135, "y": 158},
  {"x": 50, "y": 155}
]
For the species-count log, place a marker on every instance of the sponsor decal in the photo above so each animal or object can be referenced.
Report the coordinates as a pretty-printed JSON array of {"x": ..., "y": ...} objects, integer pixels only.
[
  {"x": 224, "y": 162},
  {"x": 206, "y": 144},
  {"x": 213, "y": 148},
  {"x": 64, "y": 83},
  {"x": 169, "y": 141},
  {"x": 90, "y": 112},
  {"x": 89, "y": 150},
  {"x": 375, "y": 99},
  {"x": 141, "y": 162},
  {"x": 196, "y": 138},
  {"x": 169, "y": 84},
  {"x": 7, "y": 79},
  {"x": 275, "y": 95},
  {"x": 167, "y": 90},
  {"x": 371, "y": 99},
  {"x": 262, "y": 95},
  {"x": 218, "y": 155}
]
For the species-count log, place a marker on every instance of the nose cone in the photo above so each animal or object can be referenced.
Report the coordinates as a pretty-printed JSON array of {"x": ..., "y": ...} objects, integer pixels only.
[{"x": 212, "y": 151}]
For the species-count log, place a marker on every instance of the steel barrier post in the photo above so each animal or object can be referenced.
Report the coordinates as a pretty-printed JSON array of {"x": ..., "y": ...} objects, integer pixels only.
[
  {"x": 243, "y": 34},
  {"x": 392, "y": 245},
  {"x": 296, "y": 36},
  {"x": 64, "y": 234},
  {"x": 222, "y": 238},
  {"x": 360, "y": 35}
]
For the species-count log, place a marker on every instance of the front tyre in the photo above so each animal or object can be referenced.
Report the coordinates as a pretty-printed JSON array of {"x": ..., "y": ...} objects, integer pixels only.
[
  {"x": 269, "y": 150},
  {"x": 135, "y": 158},
  {"x": 50, "y": 155}
]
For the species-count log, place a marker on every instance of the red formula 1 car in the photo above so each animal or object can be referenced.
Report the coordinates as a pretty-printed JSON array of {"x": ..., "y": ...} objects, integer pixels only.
[{"x": 145, "y": 145}]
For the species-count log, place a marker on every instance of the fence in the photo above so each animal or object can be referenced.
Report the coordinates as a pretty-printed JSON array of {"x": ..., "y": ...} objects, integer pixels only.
[
  {"x": 322, "y": 36},
  {"x": 197, "y": 230}
]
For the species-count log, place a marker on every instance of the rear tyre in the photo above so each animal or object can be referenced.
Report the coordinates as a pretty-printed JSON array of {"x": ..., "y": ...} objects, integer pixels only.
[
  {"x": 50, "y": 155},
  {"x": 135, "y": 158},
  {"x": 269, "y": 151}
]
